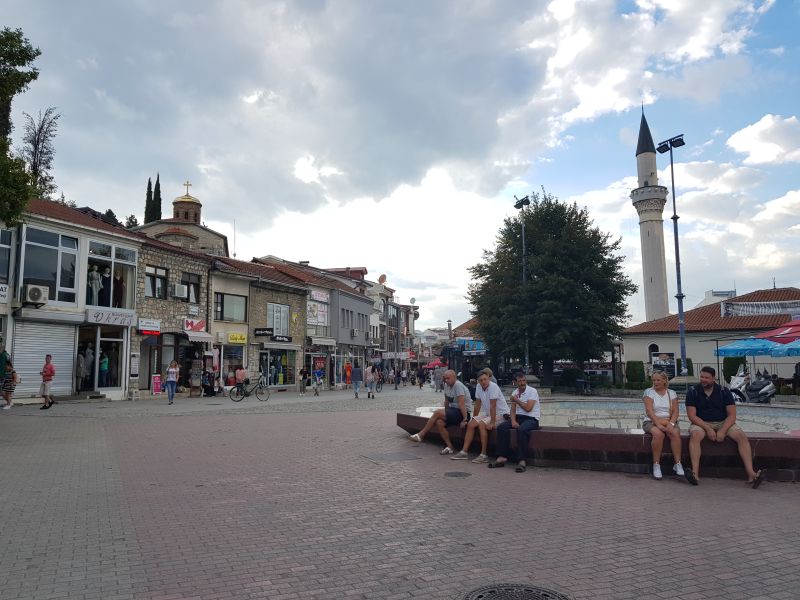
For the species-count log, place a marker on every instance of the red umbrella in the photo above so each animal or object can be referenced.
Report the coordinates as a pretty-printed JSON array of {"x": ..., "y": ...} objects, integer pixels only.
[{"x": 788, "y": 332}]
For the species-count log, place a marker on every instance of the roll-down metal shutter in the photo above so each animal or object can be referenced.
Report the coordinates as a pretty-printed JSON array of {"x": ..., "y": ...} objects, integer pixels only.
[{"x": 32, "y": 342}]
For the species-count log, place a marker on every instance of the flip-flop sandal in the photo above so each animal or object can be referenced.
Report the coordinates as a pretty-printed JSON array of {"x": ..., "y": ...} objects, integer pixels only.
[
  {"x": 496, "y": 465},
  {"x": 690, "y": 476},
  {"x": 521, "y": 468},
  {"x": 757, "y": 481}
]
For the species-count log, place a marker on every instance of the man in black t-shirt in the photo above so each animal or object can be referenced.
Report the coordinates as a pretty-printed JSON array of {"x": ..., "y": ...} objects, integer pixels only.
[{"x": 712, "y": 412}]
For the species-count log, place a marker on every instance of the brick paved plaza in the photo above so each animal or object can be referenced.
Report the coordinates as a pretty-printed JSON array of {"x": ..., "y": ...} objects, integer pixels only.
[{"x": 305, "y": 498}]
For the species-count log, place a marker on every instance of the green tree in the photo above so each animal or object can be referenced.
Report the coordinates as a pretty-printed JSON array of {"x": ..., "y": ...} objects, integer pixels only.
[
  {"x": 573, "y": 302},
  {"x": 148, "y": 202},
  {"x": 16, "y": 72},
  {"x": 131, "y": 221},
  {"x": 15, "y": 188},
  {"x": 63, "y": 200},
  {"x": 112, "y": 218},
  {"x": 38, "y": 151},
  {"x": 157, "y": 199}
]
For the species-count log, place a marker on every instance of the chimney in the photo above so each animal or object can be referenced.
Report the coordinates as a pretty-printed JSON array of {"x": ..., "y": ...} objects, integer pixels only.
[{"x": 304, "y": 263}]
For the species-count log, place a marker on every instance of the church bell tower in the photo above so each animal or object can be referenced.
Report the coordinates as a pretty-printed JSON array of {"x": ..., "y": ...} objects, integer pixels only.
[{"x": 649, "y": 200}]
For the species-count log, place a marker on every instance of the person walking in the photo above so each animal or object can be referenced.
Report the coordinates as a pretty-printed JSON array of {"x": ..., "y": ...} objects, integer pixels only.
[
  {"x": 303, "y": 376},
  {"x": 357, "y": 377},
  {"x": 661, "y": 422},
  {"x": 171, "y": 380},
  {"x": 421, "y": 377},
  {"x": 9, "y": 382},
  {"x": 48, "y": 372},
  {"x": 369, "y": 381},
  {"x": 4, "y": 358},
  {"x": 103, "y": 369}
]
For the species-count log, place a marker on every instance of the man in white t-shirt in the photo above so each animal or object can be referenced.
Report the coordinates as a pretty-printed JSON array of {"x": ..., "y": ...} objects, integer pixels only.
[
  {"x": 524, "y": 418},
  {"x": 489, "y": 405},
  {"x": 457, "y": 406}
]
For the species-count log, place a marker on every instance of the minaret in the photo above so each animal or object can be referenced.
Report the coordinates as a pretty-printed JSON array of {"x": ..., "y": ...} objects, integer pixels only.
[{"x": 649, "y": 200}]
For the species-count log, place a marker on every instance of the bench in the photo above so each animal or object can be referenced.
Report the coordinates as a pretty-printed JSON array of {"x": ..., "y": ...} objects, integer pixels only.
[{"x": 617, "y": 450}]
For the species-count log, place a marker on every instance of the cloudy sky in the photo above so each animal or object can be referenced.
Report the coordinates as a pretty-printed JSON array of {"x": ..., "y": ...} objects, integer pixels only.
[{"x": 393, "y": 135}]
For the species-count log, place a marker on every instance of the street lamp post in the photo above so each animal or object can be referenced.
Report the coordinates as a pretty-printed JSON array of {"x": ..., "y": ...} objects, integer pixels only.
[
  {"x": 668, "y": 145},
  {"x": 520, "y": 205}
]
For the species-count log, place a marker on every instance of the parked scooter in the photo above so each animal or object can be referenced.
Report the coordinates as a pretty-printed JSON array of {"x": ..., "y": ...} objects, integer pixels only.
[{"x": 760, "y": 390}]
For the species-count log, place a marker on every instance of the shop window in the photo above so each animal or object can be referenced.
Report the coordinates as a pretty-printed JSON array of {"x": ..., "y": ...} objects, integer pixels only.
[
  {"x": 230, "y": 307},
  {"x": 278, "y": 318},
  {"x": 111, "y": 275},
  {"x": 5, "y": 254},
  {"x": 232, "y": 357},
  {"x": 192, "y": 283},
  {"x": 155, "y": 282},
  {"x": 278, "y": 366},
  {"x": 51, "y": 260}
]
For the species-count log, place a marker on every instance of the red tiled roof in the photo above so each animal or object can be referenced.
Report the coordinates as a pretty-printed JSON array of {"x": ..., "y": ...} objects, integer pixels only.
[
  {"x": 307, "y": 275},
  {"x": 174, "y": 231},
  {"x": 67, "y": 214},
  {"x": 709, "y": 318},
  {"x": 466, "y": 329},
  {"x": 266, "y": 272}
]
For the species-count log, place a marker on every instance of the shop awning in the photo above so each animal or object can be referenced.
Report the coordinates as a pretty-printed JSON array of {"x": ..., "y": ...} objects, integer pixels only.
[
  {"x": 199, "y": 336},
  {"x": 323, "y": 341}
]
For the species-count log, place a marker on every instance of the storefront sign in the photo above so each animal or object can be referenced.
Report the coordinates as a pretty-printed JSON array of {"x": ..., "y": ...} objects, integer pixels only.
[
  {"x": 263, "y": 331},
  {"x": 194, "y": 310},
  {"x": 109, "y": 317},
  {"x": 194, "y": 324},
  {"x": 237, "y": 338},
  {"x": 149, "y": 326},
  {"x": 155, "y": 384},
  {"x": 3, "y": 293},
  {"x": 281, "y": 338},
  {"x": 134, "y": 365},
  {"x": 320, "y": 296},
  {"x": 316, "y": 313}
]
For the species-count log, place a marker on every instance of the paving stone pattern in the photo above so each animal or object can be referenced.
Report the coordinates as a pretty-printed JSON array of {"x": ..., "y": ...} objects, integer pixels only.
[{"x": 286, "y": 505}]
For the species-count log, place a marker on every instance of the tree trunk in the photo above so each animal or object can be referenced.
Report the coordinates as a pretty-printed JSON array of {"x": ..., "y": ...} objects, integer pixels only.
[{"x": 547, "y": 372}]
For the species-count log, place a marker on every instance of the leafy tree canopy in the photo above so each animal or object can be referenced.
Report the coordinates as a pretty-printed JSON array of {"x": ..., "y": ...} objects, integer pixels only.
[
  {"x": 16, "y": 72},
  {"x": 131, "y": 221},
  {"x": 573, "y": 301},
  {"x": 15, "y": 188}
]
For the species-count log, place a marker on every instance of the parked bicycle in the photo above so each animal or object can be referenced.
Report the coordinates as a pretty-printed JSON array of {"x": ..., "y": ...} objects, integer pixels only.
[{"x": 259, "y": 389}]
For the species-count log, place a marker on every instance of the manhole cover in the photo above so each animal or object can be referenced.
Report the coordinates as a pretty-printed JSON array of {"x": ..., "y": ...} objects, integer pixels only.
[
  {"x": 513, "y": 591},
  {"x": 389, "y": 457},
  {"x": 459, "y": 474}
]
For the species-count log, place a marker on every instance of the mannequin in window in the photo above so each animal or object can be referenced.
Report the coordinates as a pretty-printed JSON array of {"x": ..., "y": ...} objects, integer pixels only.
[
  {"x": 105, "y": 287},
  {"x": 93, "y": 281},
  {"x": 119, "y": 290}
]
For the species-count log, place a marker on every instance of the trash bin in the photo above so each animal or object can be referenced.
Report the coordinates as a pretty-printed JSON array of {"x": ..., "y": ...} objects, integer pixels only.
[{"x": 580, "y": 386}]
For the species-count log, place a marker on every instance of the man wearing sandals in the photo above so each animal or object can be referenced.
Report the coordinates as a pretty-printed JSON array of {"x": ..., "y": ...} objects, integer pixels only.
[
  {"x": 490, "y": 403},
  {"x": 712, "y": 412},
  {"x": 457, "y": 406},
  {"x": 524, "y": 419}
]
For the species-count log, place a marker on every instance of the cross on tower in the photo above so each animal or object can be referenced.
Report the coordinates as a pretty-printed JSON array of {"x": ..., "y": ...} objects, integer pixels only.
[{"x": 188, "y": 185}]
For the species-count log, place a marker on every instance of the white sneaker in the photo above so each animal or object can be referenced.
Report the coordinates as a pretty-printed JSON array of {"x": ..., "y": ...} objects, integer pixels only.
[
  {"x": 657, "y": 471},
  {"x": 7, "y": 406},
  {"x": 482, "y": 458},
  {"x": 460, "y": 455},
  {"x": 679, "y": 470},
  {"x": 415, "y": 438},
  {"x": 446, "y": 450}
]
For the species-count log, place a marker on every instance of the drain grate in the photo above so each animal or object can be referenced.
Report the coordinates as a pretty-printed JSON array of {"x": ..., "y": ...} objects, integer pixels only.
[
  {"x": 457, "y": 474},
  {"x": 513, "y": 591}
]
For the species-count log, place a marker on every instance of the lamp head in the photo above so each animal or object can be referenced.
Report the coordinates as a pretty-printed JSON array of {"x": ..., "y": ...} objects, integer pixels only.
[
  {"x": 677, "y": 141},
  {"x": 663, "y": 147},
  {"x": 520, "y": 202}
]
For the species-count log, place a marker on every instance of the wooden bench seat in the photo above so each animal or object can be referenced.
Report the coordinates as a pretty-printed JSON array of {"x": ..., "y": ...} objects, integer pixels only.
[{"x": 618, "y": 450}]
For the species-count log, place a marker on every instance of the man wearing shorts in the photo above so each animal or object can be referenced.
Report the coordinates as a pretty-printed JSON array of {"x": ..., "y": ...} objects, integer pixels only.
[
  {"x": 48, "y": 372},
  {"x": 712, "y": 413},
  {"x": 489, "y": 405},
  {"x": 457, "y": 406}
]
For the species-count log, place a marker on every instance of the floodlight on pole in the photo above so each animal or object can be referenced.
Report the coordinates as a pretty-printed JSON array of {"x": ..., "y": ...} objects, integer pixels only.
[
  {"x": 520, "y": 205},
  {"x": 667, "y": 146}
]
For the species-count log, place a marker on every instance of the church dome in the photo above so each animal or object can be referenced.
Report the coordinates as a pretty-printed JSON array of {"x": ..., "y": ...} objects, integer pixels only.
[{"x": 186, "y": 198}]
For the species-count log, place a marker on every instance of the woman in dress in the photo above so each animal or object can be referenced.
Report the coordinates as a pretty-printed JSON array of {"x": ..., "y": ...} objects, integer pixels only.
[
  {"x": 661, "y": 421},
  {"x": 9, "y": 382}
]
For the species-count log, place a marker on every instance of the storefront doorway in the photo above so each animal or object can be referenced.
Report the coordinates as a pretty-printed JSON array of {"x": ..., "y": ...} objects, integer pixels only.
[
  {"x": 278, "y": 366},
  {"x": 100, "y": 357}
]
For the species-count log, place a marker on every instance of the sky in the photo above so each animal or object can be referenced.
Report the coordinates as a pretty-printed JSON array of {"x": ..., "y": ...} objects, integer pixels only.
[{"x": 394, "y": 135}]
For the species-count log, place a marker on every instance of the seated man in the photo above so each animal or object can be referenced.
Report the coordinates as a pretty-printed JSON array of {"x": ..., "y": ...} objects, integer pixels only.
[
  {"x": 457, "y": 406},
  {"x": 712, "y": 412},
  {"x": 489, "y": 402},
  {"x": 524, "y": 418}
]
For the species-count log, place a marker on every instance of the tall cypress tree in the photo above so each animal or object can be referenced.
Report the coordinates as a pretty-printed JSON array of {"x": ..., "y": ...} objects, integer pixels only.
[
  {"x": 157, "y": 199},
  {"x": 148, "y": 202}
]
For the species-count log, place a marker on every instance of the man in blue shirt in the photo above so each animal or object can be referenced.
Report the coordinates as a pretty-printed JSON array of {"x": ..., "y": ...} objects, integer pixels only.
[{"x": 712, "y": 412}]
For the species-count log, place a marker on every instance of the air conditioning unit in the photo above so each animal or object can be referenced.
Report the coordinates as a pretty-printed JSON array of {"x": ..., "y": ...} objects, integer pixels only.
[
  {"x": 35, "y": 294},
  {"x": 354, "y": 333},
  {"x": 180, "y": 290}
]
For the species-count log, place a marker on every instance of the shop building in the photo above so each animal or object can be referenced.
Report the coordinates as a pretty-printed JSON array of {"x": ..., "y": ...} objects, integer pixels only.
[
  {"x": 172, "y": 307},
  {"x": 69, "y": 292}
]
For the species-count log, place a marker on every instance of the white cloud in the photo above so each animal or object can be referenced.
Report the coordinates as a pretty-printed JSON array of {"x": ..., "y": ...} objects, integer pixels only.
[
  {"x": 785, "y": 210},
  {"x": 772, "y": 139}
]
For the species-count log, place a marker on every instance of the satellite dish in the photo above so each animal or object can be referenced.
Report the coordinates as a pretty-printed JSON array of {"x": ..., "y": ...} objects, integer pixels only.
[
  {"x": 413, "y": 300},
  {"x": 382, "y": 279}
]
